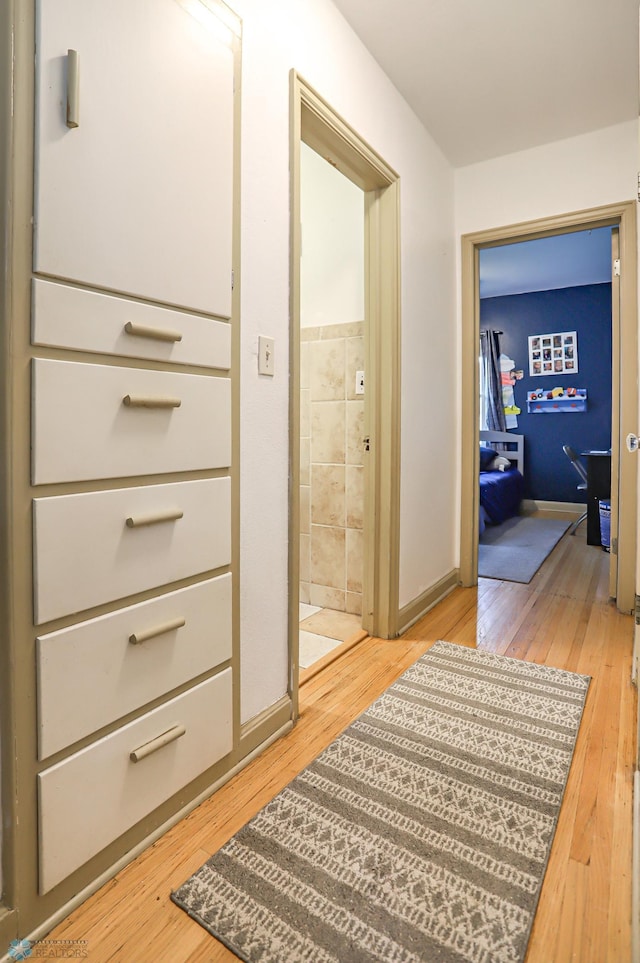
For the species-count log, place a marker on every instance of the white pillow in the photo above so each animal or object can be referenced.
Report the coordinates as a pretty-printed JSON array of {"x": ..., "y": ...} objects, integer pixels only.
[{"x": 499, "y": 463}]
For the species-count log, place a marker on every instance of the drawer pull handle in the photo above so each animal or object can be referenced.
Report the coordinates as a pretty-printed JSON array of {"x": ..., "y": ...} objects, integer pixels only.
[
  {"x": 137, "y": 637},
  {"x": 73, "y": 89},
  {"x": 163, "y": 740},
  {"x": 157, "y": 334},
  {"x": 154, "y": 518},
  {"x": 150, "y": 401}
]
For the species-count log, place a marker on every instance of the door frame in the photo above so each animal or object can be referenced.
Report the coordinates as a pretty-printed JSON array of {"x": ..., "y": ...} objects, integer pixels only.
[
  {"x": 624, "y": 371},
  {"x": 314, "y": 122}
]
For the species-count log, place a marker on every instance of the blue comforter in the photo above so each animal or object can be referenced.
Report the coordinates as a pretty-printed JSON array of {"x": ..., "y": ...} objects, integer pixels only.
[{"x": 500, "y": 494}]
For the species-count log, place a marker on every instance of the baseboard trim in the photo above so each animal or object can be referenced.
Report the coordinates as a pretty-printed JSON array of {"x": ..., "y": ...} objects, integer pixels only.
[
  {"x": 41, "y": 931},
  {"x": 256, "y": 731},
  {"x": 536, "y": 504},
  {"x": 8, "y": 928},
  {"x": 409, "y": 614}
]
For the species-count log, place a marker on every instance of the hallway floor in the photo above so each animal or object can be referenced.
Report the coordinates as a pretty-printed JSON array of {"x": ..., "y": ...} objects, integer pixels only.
[
  {"x": 563, "y": 618},
  {"x": 321, "y": 630}
]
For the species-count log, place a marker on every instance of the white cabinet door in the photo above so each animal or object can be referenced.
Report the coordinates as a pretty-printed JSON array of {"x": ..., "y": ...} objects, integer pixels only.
[{"x": 138, "y": 197}]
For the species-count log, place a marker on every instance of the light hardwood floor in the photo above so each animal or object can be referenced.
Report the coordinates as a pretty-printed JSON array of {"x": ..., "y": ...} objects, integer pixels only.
[{"x": 562, "y": 618}]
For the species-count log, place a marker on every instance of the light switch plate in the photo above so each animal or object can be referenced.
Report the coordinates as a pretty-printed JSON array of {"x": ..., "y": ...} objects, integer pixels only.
[
  {"x": 359, "y": 382},
  {"x": 266, "y": 360}
]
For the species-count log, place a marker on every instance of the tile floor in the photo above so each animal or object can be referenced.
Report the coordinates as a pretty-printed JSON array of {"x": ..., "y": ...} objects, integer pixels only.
[{"x": 321, "y": 630}]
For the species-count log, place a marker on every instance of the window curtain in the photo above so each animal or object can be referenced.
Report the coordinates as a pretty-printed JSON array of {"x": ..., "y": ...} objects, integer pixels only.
[{"x": 491, "y": 406}]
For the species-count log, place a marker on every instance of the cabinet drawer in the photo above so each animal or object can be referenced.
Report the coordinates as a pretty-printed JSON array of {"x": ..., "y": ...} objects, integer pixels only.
[
  {"x": 95, "y": 672},
  {"x": 96, "y": 794},
  {"x": 95, "y": 421},
  {"x": 101, "y": 546},
  {"x": 66, "y": 317}
]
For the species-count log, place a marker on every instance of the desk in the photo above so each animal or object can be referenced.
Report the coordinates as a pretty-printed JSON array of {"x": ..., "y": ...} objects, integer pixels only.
[{"x": 598, "y": 486}]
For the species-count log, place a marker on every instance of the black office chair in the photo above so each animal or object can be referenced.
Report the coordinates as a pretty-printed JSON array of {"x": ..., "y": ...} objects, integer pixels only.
[{"x": 572, "y": 455}]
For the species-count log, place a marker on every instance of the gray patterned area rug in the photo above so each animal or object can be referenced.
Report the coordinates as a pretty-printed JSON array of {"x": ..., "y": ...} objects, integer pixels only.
[{"x": 422, "y": 833}]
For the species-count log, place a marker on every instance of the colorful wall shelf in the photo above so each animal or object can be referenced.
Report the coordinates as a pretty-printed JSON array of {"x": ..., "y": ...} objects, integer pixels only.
[{"x": 562, "y": 404}]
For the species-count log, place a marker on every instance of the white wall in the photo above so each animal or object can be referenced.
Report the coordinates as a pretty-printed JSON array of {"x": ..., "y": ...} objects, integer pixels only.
[
  {"x": 568, "y": 175},
  {"x": 313, "y": 38},
  {"x": 332, "y": 262},
  {"x": 560, "y": 178}
]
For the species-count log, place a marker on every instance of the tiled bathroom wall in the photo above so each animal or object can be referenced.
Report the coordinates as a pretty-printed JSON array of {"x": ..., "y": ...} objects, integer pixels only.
[{"x": 331, "y": 472}]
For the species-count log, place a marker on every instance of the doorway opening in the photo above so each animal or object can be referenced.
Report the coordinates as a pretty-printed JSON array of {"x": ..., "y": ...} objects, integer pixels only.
[
  {"x": 332, "y": 393},
  {"x": 375, "y": 426},
  {"x": 621, "y": 220},
  {"x": 546, "y": 305}
]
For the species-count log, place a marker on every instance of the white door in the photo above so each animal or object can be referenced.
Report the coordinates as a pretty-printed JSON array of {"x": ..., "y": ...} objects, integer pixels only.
[{"x": 151, "y": 160}]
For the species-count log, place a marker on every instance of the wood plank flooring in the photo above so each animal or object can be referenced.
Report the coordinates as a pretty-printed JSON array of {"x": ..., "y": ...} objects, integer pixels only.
[{"x": 562, "y": 618}]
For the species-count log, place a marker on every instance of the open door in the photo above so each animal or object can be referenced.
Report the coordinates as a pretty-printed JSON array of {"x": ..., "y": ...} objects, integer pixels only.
[
  {"x": 615, "y": 408},
  {"x": 622, "y": 218}
]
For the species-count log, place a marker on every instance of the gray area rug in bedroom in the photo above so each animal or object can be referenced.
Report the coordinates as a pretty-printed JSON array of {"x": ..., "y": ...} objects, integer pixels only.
[
  {"x": 515, "y": 550},
  {"x": 421, "y": 834}
]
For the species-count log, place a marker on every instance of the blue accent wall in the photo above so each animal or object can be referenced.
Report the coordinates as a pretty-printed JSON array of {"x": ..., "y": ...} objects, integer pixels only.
[{"x": 587, "y": 310}]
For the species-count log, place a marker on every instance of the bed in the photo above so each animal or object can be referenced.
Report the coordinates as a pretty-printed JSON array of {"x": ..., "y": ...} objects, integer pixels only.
[{"x": 501, "y": 476}]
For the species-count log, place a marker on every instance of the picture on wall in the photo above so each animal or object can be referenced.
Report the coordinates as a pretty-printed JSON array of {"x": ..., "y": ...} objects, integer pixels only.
[{"x": 553, "y": 354}]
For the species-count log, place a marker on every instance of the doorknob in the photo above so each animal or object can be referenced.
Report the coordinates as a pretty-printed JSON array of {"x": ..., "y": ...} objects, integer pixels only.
[{"x": 632, "y": 442}]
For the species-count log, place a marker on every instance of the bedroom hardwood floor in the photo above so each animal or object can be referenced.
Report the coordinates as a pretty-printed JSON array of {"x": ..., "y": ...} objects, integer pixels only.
[{"x": 563, "y": 618}]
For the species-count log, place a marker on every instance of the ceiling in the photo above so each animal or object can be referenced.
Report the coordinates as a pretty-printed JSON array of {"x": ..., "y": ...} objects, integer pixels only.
[
  {"x": 498, "y": 76},
  {"x": 547, "y": 263}
]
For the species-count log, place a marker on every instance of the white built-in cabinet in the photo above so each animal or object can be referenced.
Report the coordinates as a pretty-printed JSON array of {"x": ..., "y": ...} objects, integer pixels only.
[{"x": 131, "y": 446}]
